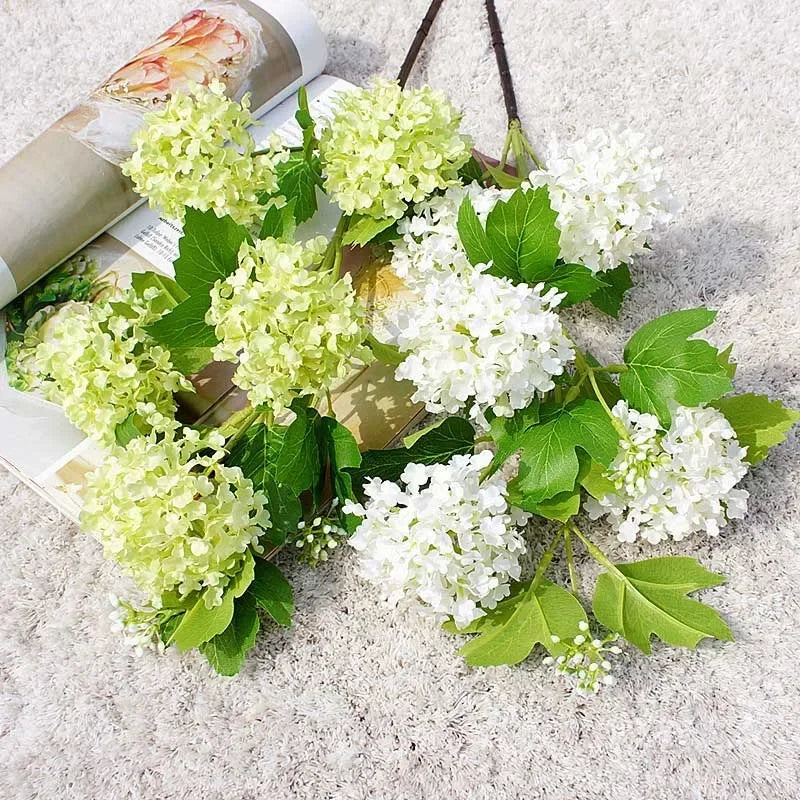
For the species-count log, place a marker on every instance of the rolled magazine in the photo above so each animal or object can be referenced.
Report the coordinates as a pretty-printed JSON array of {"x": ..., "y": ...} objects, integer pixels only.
[
  {"x": 65, "y": 187},
  {"x": 37, "y": 442}
]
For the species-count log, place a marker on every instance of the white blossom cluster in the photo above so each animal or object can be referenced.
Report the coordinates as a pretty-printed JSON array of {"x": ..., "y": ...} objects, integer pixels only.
[
  {"x": 673, "y": 483},
  {"x": 430, "y": 240},
  {"x": 585, "y": 660},
  {"x": 447, "y": 540},
  {"x": 139, "y": 627},
  {"x": 609, "y": 192},
  {"x": 476, "y": 340},
  {"x": 172, "y": 515}
]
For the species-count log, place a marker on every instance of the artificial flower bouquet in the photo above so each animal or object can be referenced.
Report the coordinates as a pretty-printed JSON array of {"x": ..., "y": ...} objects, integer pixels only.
[{"x": 535, "y": 438}]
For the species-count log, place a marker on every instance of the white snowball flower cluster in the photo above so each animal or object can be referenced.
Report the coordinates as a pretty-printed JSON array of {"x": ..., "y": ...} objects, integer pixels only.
[
  {"x": 101, "y": 365},
  {"x": 474, "y": 339},
  {"x": 676, "y": 482},
  {"x": 447, "y": 540},
  {"x": 292, "y": 328},
  {"x": 609, "y": 192},
  {"x": 172, "y": 515},
  {"x": 430, "y": 240}
]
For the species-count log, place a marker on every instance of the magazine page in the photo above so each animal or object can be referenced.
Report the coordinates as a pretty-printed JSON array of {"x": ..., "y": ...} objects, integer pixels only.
[
  {"x": 37, "y": 442},
  {"x": 65, "y": 187}
]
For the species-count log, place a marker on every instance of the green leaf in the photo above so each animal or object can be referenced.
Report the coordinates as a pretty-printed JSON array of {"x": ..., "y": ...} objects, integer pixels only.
[
  {"x": 453, "y": 437},
  {"x": 471, "y": 172},
  {"x": 724, "y": 358},
  {"x": 343, "y": 453},
  {"x": 298, "y": 178},
  {"x": 170, "y": 294},
  {"x": 185, "y": 333},
  {"x": 760, "y": 423},
  {"x": 362, "y": 230},
  {"x": 610, "y": 297},
  {"x": 523, "y": 238},
  {"x": 306, "y": 123},
  {"x": 298, "y": 463},
  {"x": 226, "y": 651},
  {"x": 596, "y": 483},
  {"x": 506, "y": 431},
  {"x": 208, "y": 250},
  {"x": 503, "y": 179},
  {"x": 285, "y": 511},
  {"x": 649, "y": 597},
  {"x": 239, "y": 582},
  {"x": 473, "y": 236},
  {"x": 199, "y": 623},
  {"x": 549, "y": 463},
  {"x": 385, "y": 353},
  {"x": 279, "y": 223},
  {"x": 508, "y": 634},
  {"x": 273, "y": 592},
  {"x": 664, "y": 366},
  {"x": 132, "y": 427},
  {"x": 577, "y": 281},
  {"x": 413, "y": 438}
]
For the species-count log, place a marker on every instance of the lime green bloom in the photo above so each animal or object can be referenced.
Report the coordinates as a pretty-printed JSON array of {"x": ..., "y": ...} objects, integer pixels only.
[
  {"x": 292, "y": 330},
  {"x": 173, "y": 516},
  {"x": 196, "y": 151},
  {"x": 387, "y": 147},
  {"x": 98, "y": 363}
]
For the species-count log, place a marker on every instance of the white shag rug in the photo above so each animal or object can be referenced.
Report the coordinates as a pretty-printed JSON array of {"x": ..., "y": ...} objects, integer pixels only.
[{"x": 356, "y": 701}]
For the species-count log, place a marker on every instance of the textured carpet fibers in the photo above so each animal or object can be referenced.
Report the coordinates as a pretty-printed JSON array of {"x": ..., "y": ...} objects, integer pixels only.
[{"x": 356, "y": 701}]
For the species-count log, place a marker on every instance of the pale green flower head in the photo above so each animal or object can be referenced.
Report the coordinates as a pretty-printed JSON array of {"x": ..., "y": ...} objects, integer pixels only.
[
  {"x": 386, "y": 148},
  {"x": 293, "y": 330},
  {"x": 97, "y": 361},
  {"x": 196, "y": 151},
  {"x": 173, "y": 516}
]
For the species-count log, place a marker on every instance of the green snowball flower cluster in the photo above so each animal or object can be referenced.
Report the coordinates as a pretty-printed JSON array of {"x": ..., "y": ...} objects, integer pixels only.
[
  {"x": 101, "y": 365},
  {"x": 196, "y": 151},
  {"x": 292, "y": 329},
  {"x": 173, "y": 516},
  {"x": 387, "y": 147}
]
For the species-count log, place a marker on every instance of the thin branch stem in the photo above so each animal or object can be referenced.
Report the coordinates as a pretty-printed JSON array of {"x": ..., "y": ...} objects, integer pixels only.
[
  {"x": 509, "y": 95},
  {"x": 418, "y": 41},
  {"x": 573, "y": 575},
  {"x": 595, "y": 552},
  {"x": 544, "y": 561}
]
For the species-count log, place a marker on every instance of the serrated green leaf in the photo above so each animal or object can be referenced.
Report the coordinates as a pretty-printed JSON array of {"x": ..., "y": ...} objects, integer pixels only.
[
  {"x": 208, "y": 250},
  {"x": 611, "y": 297},
  {"x": 664, "y": 366},
  {"x": 549, "y": 462},
  {"x": 508, "y": 634},
  {"x": 343, "y": 454},
  {"x": 385, "y": 353},
  {"x": 279, "y": 223},
  {"x": 413, "y": 438},
  {"x": 273, "y": 592},
  {"x": 362, "y": 230},
  {"x": 649, "y": 597},
  {"x": 170, "y": 294},
  {"x": 473, "y": 237},
  {"x": 577, "y": 281},
  {"x": 522, "y": 236},
  {"x": 760, "y": 423},
  {"x": 596, "y": 483},
  {"x": 226, "y": 652},
  {"x": 453, "y": 437},
  {"x": 298, "y": 178},
  {"x": 725, "y": 361},
  {"x": 185, "y": 333}
]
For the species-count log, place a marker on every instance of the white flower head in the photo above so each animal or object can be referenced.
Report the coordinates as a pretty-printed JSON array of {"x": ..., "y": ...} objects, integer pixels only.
[
  {"x": 609, "y": 193},
  {"x": 430, "y": 240},
  {"x": 476, "y": 340},
  {"x": 670, "y": 484},
  {"x": 446, "y": 541}
]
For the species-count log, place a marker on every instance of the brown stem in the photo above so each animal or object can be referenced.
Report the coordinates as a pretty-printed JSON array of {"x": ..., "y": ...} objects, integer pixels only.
[
  {"x": 509, "y": 96},
  {"x": 419, "y": 39}
]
